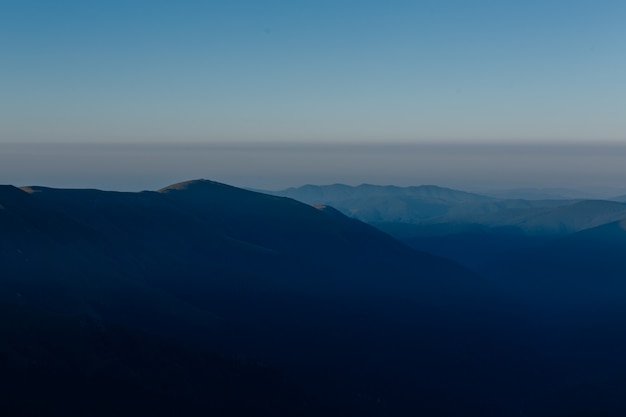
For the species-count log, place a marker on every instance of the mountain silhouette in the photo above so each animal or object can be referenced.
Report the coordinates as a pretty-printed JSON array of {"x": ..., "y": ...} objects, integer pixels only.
[
  {"x": 374, "y": 203},
  {"x": 584, "y": 267},
  {"x": 55, "y": 365},
  {"x": 468, "y": 228},
  {"x": 352, "y": 321}
]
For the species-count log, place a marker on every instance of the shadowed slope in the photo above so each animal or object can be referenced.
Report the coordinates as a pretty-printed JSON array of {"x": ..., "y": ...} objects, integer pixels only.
[
  {"x": 302, "y": 232},
  {"x": 584, "y": 267},
  {"x": 334, "y": 302},
  {"x": 577, "y": 284},
  {"x": 54, "y": 259},
  {"x": 73, "y": 366}
]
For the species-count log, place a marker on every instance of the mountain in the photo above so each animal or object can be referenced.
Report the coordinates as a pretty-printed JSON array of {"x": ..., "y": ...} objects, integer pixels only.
[
  {"x": 576, "y": 283},
  {"x": 469, "y": 244},
  {"x": 435, "y": 205},
  {"x": 561, "y": 259},
  {"x": 54, "y": 365},
  {"x": 468, "y": 228},
  {"x": 352, "y": 316},
  {"x": 553, "y": 217},
  {"x": 64, "y": 263},
  {"x": 202, "y": 298},
  {"x": 374, "y": 203},
  {"x": 475, "y": 234},
  {"x": 580, "y": 270}
]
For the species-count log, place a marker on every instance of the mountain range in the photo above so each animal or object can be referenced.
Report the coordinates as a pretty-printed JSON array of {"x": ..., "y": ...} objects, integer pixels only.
[
  {"x": 209, "y": 299},
  {"x": 429, "y": 205},
  {"x": 469, "y": 228}
]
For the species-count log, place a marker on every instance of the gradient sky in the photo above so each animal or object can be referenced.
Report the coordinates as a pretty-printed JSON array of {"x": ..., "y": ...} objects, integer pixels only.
[
  {"x": 220, "y": 71},
  {"x": 110, "y": 79}
]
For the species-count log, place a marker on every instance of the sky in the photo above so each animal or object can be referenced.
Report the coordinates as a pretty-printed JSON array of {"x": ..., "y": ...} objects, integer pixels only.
[{"x": 209, "y": 74}]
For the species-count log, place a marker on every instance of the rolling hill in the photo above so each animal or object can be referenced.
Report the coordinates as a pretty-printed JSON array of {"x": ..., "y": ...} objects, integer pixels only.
[{"x": 350, "y": 314}]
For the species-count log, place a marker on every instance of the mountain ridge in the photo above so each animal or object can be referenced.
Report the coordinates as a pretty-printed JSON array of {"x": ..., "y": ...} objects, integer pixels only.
[
  {"x": 351, "y": 315},
  {"x": 304, "y": 289}
]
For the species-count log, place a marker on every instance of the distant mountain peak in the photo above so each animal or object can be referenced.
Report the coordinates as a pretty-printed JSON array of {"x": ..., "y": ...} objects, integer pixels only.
[{"x": 192, "y": 184}]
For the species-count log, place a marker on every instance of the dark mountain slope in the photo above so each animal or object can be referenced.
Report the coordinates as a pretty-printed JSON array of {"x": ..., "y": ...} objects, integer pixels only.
[
  {"x": 326, "y": 240},
  {"x": 469, "y": 244},
  {"x": 202, "y": 224},
  {"x": 72, "y": 366},
  {"x": 577, "y": 283},
  {"x": 505, "y": 227},
  {"x": 354, "y": 315},
  {"x": 585, "y": 267},
  {"x": 468, "y": 228},
  {"x": 431, "y": 204},
  {"x": 56, "y": 261}
]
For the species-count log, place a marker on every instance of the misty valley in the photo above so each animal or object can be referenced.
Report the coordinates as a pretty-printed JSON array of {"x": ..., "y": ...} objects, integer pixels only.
[{"x": 203, "y": 299}]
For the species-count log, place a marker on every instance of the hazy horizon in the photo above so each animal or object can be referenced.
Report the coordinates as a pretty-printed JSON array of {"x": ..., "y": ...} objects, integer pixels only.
[
  {"x": 479, "y": 167},
  {"x": 131, "y": 95}
]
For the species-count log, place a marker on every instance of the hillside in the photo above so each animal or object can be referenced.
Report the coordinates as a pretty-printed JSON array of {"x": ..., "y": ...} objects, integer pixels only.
[
  {"x": 549, "y": 217},
  {"x": 428, "y": 204},
  {"x": 468, "y": 228},
  {"x": 582, "y": 269},
  {"x": 288, "y": 297},
  {"x": 53, "y": 365},
  {"x": 355, "y": 317}
]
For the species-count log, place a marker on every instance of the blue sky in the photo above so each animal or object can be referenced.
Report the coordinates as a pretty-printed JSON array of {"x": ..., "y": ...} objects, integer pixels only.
[
  {"x": 270, "y": 94},
  {"x": 312, "y": 71}
]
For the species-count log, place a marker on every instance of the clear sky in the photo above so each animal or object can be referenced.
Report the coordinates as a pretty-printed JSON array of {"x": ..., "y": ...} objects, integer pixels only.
[
  {"x": 313, "y": 91},
  {"x": 322, "y": 71}
]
